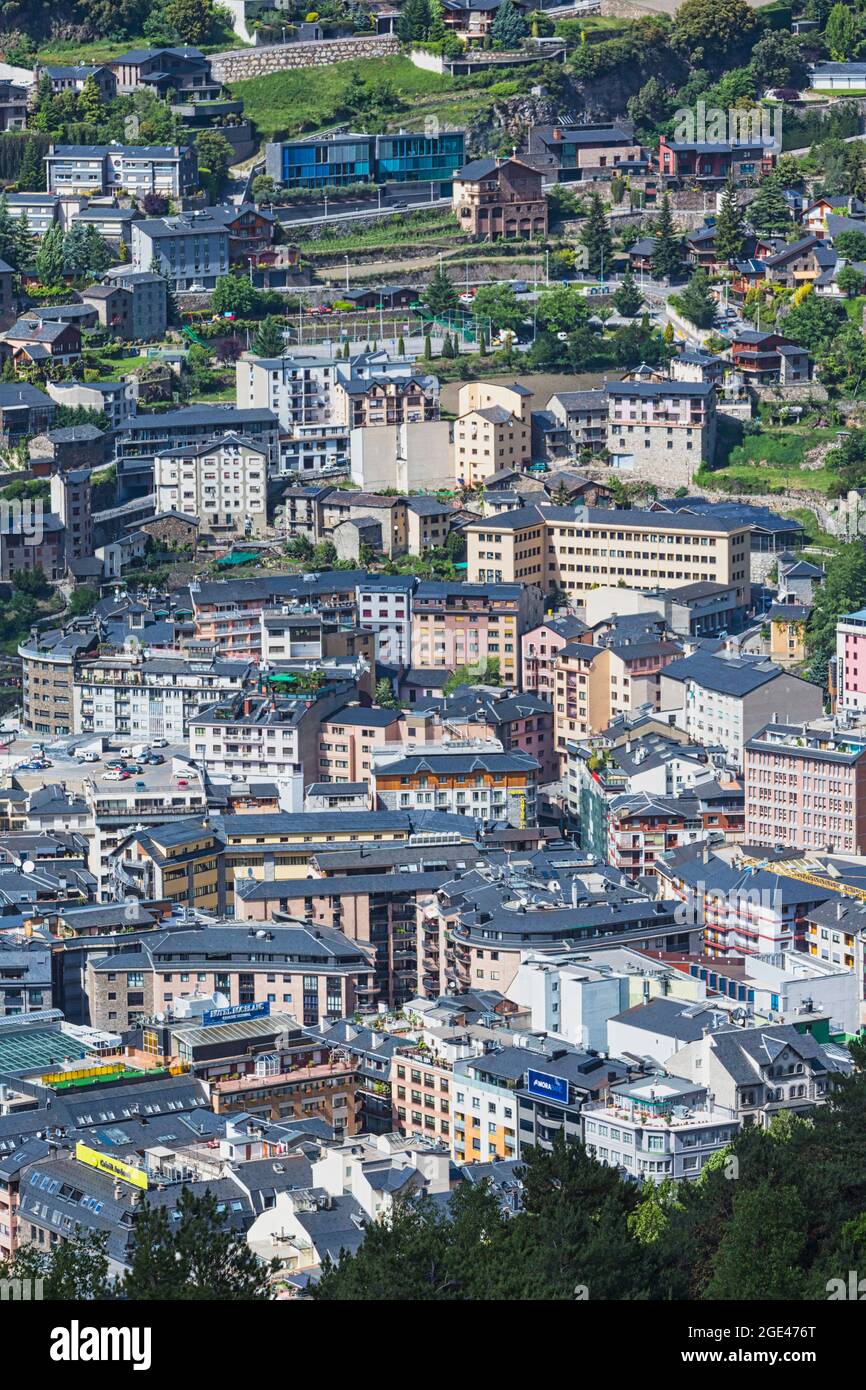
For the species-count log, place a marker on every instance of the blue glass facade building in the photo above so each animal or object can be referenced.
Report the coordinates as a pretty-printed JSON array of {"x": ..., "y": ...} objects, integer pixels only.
[{"x": 339, "y": 160}]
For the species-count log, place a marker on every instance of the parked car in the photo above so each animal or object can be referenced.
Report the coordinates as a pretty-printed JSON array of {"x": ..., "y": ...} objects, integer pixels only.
[
  {"x": 126, "y": 752},
  {"x": 154, "y": 759},
  {"x": 182, "y": 782},
  {"x": 159, "y": 743},
  {"x": 84, "y": 757},
  {"x": 133, "y": 768},
  {"x": 115, "y": 774}
]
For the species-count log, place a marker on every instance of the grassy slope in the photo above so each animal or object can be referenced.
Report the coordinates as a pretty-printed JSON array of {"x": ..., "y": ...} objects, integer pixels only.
[
  {"x": 774, "y": 459},
  {"x": 102, "y": 50},
  {"x": 297, "y": 100}
]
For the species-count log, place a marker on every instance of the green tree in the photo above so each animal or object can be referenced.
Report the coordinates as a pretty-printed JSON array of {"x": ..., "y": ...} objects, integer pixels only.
[
  {"x": 233, "y": 294},
  {"x": 509, "y": 28},
  {"x": 760, "y": 1254},
  {"x": 729, "y": 225},
  {"x": 667, "y": 253},
  {"x": 384, "y": 696},
  {"x": 269, "y": 339},
  {"x": 440, "y": 296},
  {"x": 31, "y": 172},
  {"x": 49, "y": 258},
  {"x": 91, "y": 107},
  {"x": 851, "y": 281},
  {"x": 196, "y": 1257},
  {"x": 851, "y": 245},
  {"x": 777, "y": 60},
  {"x": 711, "y": 34},
  {"x": 696, "y": 302},
  {"x": 497, "y": 307},
  {"x": 82, "y": 600},
  {"x": 595, "y": 237},
  {"x": 627, "y": 298},
  {"x": 74, "y": 1271},
  {"x": 191, "y": 20},
  {"x": 843, "y": 590},
  {"x": 813, "y": 323},
  {"x": 768, "y": 210},
  {"x": 841, "y": 32},
  {"x": 214, "y": 152},
  {"x": 25, "y": 243}
]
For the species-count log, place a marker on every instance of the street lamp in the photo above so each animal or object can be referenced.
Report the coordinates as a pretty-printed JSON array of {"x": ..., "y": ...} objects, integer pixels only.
[{"x": 347, "y": 274}]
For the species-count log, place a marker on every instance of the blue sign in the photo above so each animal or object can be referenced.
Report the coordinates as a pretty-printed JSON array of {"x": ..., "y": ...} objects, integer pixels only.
[
  {"x": 235, "y": 1013},
  {"x": 546, "y": 1087}
]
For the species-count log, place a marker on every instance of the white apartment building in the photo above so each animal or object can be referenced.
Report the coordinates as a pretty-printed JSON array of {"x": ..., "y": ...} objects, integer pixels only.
[
  {"x": 385, "y": 607},
  {"x": 116, "y": 808},
  {"x": 224, "y": 483},
  {"x": 149, "y": 697},
  {"x": 657, "y": 1127},
  {"x": 298, "y": 387}
]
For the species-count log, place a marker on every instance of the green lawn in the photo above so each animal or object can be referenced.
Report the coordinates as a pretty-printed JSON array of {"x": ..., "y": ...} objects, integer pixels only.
[
  {"x": 298, "y": 100},
  {"x": 111, "y": 368},
  {"x": 102, "y": 50},
  {"x": 770, "y": 461}
]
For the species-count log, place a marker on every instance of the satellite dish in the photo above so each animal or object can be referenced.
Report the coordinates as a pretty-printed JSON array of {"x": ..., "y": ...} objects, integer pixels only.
[{"x": 28, "y": 866}]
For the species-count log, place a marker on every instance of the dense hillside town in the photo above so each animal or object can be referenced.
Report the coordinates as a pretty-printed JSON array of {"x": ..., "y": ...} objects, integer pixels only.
[{"x": 432, "y": 600}]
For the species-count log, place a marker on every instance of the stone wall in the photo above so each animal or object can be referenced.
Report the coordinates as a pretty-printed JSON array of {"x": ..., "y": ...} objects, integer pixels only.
[{"x": 243, "y": 63}]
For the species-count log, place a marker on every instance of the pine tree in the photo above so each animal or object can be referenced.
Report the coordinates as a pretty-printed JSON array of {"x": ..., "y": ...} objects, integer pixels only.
[
  {"x": 668, "y": 250},
  {"x": 401, "y": 346},
  {"x": 440, "y": 296},
  {"x": 768, "y": 210},
  {"x": 508, "y": 29},
  {"x": 627, "y": 299},
  {"x": 482, "y": 343},
  {"x": 729, "y": 225},
  {"x": 98, "y": 253},
  {"x": 428, "y": 348},
  {"x": 8, "y": 234},
  {"x": 198, "y": 1258},
  {"x": 91, "y": 107},
  {"x": 595, "y": 237},
  {"x": 268, "y": 340},
  {"x": 49, "y": 257},
  {"x": 696, "y": 302},
  {"x": 31, "y": 173},
  {"x": 25, "y": 243},
  {"x": 414, "y": 21}
]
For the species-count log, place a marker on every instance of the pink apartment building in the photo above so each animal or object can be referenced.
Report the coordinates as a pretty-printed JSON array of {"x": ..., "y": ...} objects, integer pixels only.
[
  {"x": 805, "y": 788},
  {"x": 540, "y": 648},
  {"x": 851, "y": 661}
]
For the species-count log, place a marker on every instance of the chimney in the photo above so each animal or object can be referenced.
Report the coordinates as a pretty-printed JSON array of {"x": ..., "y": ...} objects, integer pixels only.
[{"x": 556, "y": 133}]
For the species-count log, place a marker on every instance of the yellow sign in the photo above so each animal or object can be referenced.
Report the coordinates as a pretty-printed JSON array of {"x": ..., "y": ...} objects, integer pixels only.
[{"x": 136, "y": 1176}]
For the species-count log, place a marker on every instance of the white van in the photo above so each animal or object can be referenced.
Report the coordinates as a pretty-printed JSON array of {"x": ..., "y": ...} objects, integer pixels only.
[{"x": 140, "y": 750}]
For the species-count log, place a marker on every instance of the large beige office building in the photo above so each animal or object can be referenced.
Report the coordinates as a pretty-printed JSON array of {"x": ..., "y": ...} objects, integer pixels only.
[{"x": 576, "y": 549}]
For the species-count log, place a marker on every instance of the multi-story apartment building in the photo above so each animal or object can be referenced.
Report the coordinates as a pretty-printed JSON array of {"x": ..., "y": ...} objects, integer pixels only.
[
  {"x": 316, "y": 976},
  {"x": 72, "y": 78},
  {"x": 576, "y": 152},
  {"x": 716, "y": 161},
  {"x": 540, "y": 647},
  {"x": 657, "y": 1128},
  {"x": 422, "y": 1093},
  {"x": 573, "y": 550},
  {"x": 144, "y": 436},
  {"x": 135, "y": 169},
  {"x": 472, "y": 777},
  {"x": 48, "y": 661},
  {"x": 490, "y": 438},
  {"x": 147, "y": 698},
  {"x": 583, "y": 417},
  {"x": 224, "y": 484},
  {"x": 13, "y": 105},
  {"x": 24, "y": 411},
  {"x": 726, "y": 700},
  {"x": 71, "y": 502},
  {"x": 806, "y": 786},
  {"x": 472, "y": 624},
  {"x": 348, "y": 738},
  {"x": 641, "y": 826},
  {"x": 385, "y": 601},
  {"x": 117, "y": 809},
  {"x": 146, "y": 319},
  {"x": 519, "y": 721},
  {"x": 851, "y": 662},
  {"x": 757, "y": 1073},
  {"x": 662, "y": 431},
  {"x": 298, "y": 387},
  {"x": 228, "y": 612},
  {"x": 594, "y": 684},
  {"x": 495, "y": 198},
  {"x": 333, "y": 161},
  {"x": 192, "y": 249},
  {"x": 383, "y": 399},
  {"x": 42, "y": 210},
  {"x": 259, "y": 735},
  {"x": 117, "y": 400}
]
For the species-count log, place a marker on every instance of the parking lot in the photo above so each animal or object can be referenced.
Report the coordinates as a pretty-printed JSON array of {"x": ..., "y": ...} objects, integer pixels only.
[{"x": 66, "y": 767}]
